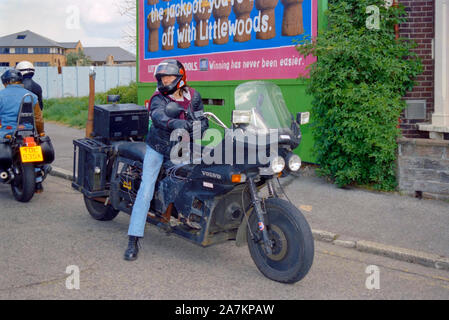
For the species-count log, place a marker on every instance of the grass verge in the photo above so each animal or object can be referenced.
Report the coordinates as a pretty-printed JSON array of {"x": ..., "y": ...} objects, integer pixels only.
[{"x": 73, "y": 111}]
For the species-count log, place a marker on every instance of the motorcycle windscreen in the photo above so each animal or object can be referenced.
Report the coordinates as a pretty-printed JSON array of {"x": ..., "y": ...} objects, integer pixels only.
[{"x": 266, "y": 103}]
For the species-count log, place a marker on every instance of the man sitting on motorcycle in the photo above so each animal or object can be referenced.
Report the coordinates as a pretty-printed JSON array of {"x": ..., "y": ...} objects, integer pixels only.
[
  {"x": 10, "y": 100},
  {"x": 171, "y": 86}
]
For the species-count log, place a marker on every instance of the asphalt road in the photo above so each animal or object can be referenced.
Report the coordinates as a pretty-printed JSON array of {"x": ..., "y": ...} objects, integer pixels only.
[{"x": 39, "y": 240}]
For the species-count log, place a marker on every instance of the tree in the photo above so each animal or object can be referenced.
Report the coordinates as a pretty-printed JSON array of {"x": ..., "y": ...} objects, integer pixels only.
[
  {"x": 128, "y": 9},
  {"x": 358, "y": 83},
  {"x": 78, "y": 58}
]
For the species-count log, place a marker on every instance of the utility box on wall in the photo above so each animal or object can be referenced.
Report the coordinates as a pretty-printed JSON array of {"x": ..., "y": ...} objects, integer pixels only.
[{"x": 223, "y": 43}]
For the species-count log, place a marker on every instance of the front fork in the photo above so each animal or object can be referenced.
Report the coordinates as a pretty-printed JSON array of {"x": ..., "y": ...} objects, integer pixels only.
[{"x": 262, "y": 217}]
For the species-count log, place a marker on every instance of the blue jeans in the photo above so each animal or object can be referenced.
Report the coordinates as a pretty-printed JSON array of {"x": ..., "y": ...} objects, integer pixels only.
[{"x": 151, "y": 167}]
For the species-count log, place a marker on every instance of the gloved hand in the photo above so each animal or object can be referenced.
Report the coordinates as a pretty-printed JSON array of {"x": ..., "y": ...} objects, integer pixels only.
[{"x": 180, "y": 124}]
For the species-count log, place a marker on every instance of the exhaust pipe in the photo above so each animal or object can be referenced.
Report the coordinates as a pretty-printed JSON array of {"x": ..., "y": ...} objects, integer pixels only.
[{"x": 4, "y": 175}]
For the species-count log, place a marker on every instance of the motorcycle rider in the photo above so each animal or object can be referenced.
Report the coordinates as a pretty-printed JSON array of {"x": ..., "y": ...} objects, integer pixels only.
[
  {"x": 171, "y": 86},
  {"x": 10, "y": 99},
  {"x": 26, "y": 68}
]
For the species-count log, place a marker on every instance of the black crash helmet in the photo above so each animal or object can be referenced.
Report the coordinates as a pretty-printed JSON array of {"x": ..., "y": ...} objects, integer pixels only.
[
  {"x": 170, "y": 67},
  {"x": 11, "y": 75}
]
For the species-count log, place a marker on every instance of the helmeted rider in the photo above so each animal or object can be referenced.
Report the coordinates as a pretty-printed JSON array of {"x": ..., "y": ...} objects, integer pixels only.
[
  {"x": 171, "y": 86},
  {"x": 10, "y": 100},
  {"x": 27, "y": 70}
]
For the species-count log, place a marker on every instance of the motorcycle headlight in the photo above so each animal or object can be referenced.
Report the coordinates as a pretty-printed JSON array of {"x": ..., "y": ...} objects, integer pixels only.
[
  {"x": 294, "y": 162},
  {"x": 277, "y": 164}
]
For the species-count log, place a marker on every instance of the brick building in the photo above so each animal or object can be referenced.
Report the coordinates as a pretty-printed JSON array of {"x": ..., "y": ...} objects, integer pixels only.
[
  {"x": 44, "y": 52},
  {"x": 423, "y": 154},
  {"x": 27, "y": 45},
  {"x": 427, "y": 115},
  {"x": 72, "y": 47}
]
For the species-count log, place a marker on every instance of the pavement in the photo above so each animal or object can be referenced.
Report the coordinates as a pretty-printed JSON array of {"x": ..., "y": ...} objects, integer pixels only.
[{"x": 388, "y": 224}]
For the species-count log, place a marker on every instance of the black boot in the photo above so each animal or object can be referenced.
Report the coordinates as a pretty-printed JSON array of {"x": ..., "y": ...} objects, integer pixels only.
[
  {"x": 39, "y": 187},
  {"x": 133, "y": 249},
  {"x": 46, "y": 169}
]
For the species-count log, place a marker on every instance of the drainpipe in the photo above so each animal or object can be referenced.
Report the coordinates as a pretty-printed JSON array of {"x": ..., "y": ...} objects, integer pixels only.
[
  {"x": 396, "y": 31},
  {"x": 396, "y": 26}
]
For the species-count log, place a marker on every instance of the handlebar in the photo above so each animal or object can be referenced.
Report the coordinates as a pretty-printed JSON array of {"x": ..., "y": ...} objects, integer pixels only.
[{"x": 214, "y": 118}]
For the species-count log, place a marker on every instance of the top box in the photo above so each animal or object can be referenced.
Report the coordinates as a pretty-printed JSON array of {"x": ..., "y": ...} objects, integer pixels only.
[{"x": 120, "y": 121}]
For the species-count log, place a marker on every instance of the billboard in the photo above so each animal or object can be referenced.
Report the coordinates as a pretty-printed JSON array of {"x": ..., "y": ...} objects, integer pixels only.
[{"x": 219, "y": 40}]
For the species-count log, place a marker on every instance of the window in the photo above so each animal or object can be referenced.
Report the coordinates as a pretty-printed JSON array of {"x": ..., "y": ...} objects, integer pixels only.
[
  {"x": 21, "y": 51},
  {"x": 42, "y": 64},
  {"x": 4, "y": 50},
  {"x": 41, "y": 50},
  {"x": 21, "y": 36},
  {"x": 4, "y": 64}
]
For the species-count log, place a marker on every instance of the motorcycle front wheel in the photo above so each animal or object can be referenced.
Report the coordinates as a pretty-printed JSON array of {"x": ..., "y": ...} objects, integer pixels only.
[
  {"x": 99, "y": 211},
  {"x": 24, "y": 182},
  {"x": 292, "y": 243}
]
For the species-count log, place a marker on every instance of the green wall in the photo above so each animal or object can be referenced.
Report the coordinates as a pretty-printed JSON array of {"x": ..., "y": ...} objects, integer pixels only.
[{"x": 292, "y": 89}]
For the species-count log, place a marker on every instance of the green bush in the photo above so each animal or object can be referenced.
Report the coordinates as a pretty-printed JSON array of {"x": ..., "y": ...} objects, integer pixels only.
[
  {"x": 128, "y": 94},
  {"x": 74, "y": 111},
  {"x": 358, "y": 83}
]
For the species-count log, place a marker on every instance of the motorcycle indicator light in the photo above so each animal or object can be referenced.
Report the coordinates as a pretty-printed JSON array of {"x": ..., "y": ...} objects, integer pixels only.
[
  {"x": 241, "y": 116},
  {"x": 238, "y": 178},
  {"x": 305, "y": 117}
]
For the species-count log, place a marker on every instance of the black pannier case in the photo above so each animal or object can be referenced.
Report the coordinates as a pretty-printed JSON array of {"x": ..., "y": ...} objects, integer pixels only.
[
  {"x": 120, "y": 121},
  {"x": 5, "y": 154},
  {"x": 90, "y": 167}
]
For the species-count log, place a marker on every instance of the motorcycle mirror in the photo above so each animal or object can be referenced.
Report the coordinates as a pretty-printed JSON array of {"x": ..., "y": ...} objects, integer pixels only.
[
  {"x": 113, "y": 98},
  {"x": 173, "y": 110},
  {"x": 302, "y": 117}
]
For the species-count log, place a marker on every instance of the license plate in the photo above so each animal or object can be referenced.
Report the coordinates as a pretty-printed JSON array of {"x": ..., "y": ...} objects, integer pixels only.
[{"x": 31, "y": 154}]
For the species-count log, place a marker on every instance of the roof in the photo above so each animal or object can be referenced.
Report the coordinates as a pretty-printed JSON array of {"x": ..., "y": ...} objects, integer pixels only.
[
  {"x": 27, "y": 39},
  {"x": 69, "y": 45},
  {"x": 101, "y": 53}
]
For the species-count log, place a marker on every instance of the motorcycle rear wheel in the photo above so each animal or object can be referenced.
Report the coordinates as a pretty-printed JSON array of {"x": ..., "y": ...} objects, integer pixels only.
[
  {"x": 24, "y": 183},
  {"x": 99, "y": 211},
  {"x": 293, "y": 245}
]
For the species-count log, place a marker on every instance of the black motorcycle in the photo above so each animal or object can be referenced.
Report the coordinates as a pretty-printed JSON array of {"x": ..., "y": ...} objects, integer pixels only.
[
  {"x": 209, "y": 203},
  {"x": 25, "y": 155}
]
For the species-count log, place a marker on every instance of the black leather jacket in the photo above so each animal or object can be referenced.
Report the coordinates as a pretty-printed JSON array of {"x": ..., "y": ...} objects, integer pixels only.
[
  {"x": 158, "y": 137},
  {"x": 32, "y": 86}
]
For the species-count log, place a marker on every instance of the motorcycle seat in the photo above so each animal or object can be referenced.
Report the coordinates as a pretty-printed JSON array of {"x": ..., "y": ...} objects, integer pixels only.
[{"x": 132, "y": 150}]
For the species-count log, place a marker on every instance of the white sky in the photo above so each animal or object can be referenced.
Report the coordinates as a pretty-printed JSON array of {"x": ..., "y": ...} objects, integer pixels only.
[{"x": 94, "y": 22}]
